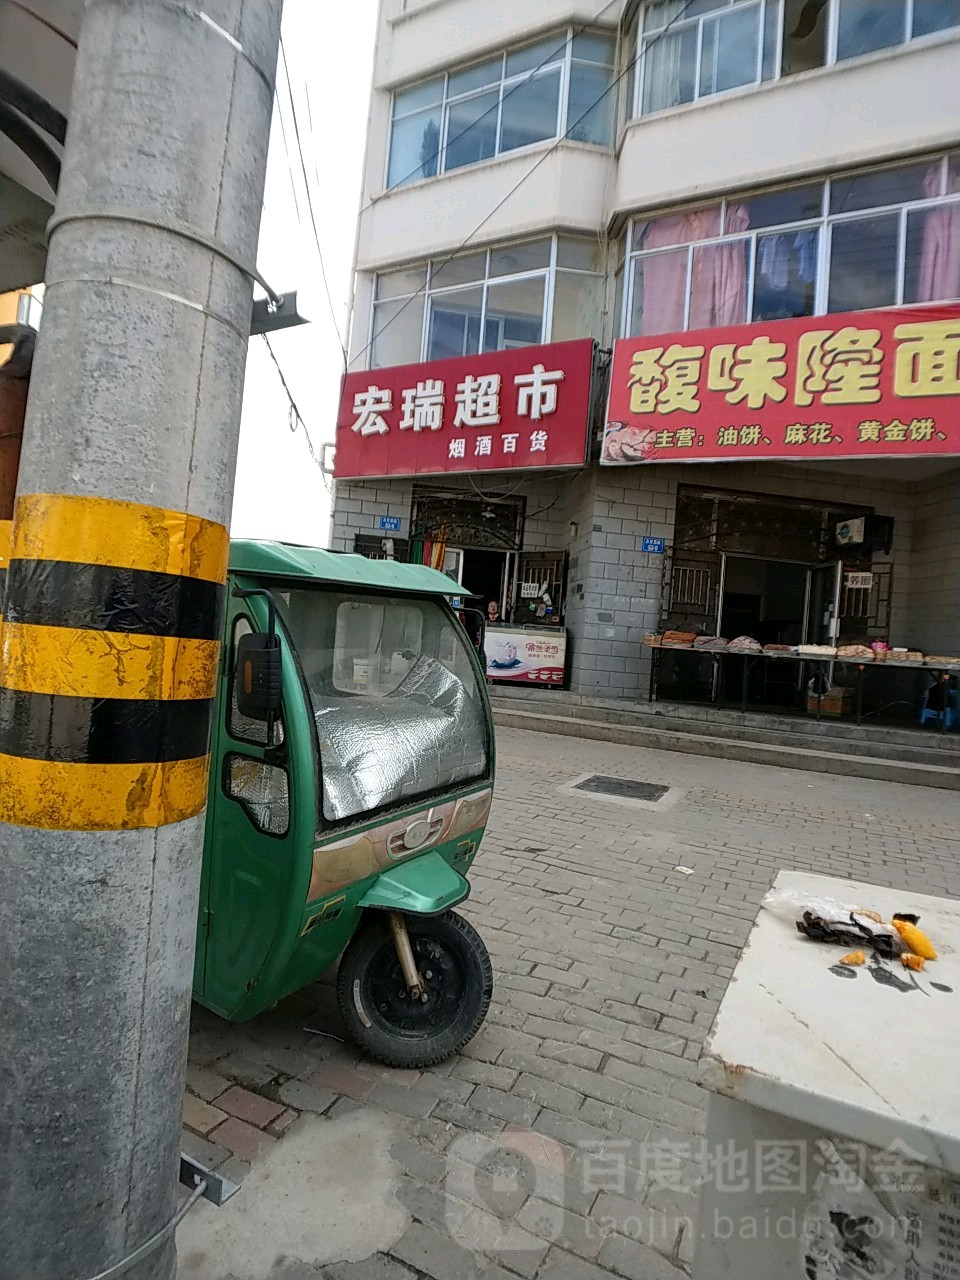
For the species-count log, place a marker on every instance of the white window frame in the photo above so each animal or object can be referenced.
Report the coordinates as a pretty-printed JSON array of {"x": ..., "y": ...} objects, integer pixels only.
[
  {"x": 833, "y": 34},
  {"x": 723, "y": 8},
  {"x": 830, "y": 56},
  {"x": 547, "y": 273},
  {"x": 505, "y": 85},
  {"x": 823, "y": 223},
  {"x": 432, "y": 296}
]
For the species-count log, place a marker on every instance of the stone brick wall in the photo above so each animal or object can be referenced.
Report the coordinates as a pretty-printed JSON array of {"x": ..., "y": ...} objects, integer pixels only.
[
  {"x": 620, "y": 596},
  {"x": 358, "y": 505}
]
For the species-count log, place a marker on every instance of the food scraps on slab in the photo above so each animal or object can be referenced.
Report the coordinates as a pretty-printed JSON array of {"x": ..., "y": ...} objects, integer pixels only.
[{"x": 916, "y": 940}]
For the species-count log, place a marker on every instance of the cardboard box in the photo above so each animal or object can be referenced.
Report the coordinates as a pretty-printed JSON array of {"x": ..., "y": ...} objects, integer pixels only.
[{"x": 835, "y": 702}]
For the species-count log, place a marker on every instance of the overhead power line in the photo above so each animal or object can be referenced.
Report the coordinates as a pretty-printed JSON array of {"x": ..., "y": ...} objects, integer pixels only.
[
  {"x": 295, "y": 417},
  {"x": 286, "y": 152},
  {"x": 313, "y": 218}
]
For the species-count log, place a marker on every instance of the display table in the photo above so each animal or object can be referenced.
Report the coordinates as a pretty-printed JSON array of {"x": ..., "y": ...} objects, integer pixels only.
[
  {"x": 833, "y": 1124},
  {"x": 750, "y": 658}
]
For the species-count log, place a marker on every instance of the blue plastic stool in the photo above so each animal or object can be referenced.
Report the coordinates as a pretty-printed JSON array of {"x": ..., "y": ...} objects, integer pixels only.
[{"x": 952, "y": 713}]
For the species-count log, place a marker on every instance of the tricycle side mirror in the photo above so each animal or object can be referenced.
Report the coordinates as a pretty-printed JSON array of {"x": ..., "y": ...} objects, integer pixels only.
[
  {"x": 258, "y": 679},
  {"x": 259, "y": 676}
]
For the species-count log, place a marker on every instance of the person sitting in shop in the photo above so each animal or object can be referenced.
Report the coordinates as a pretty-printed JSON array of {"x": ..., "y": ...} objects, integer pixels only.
[{"x": 493, "y": 614}]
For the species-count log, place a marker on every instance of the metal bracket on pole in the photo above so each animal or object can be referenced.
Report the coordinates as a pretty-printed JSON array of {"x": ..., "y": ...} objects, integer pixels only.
[
  {"x": 270, "y": 314},
  {"x": 218, "y": 1190}
]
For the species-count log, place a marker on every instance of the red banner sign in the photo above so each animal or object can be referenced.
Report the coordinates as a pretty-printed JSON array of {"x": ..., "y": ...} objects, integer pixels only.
[
  {"x": 505, "y": 411},
  {"x": 868, "y": 384}
]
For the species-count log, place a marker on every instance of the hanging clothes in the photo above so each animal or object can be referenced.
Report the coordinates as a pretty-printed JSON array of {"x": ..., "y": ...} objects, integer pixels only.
[
  {"x": 774, "y": 261},
  {"x": 805, "y": 243}
]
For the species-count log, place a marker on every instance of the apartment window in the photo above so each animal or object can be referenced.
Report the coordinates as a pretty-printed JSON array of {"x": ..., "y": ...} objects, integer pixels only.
[
  {"x": 691, "y": 49},
  {"x": 875, "y": 238},
  {"x": 556, "y": 87},
  {"x": 862, "y": 26},
  {"x": 516, "y": 295}
]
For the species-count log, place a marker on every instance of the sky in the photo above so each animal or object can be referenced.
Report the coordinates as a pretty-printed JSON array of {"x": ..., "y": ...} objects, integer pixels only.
[{"x": 280, "y": 491}]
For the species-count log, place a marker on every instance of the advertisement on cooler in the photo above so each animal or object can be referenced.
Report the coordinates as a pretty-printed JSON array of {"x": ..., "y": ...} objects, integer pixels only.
[
  {"x": 865, "y": 384},
  {"x": 504, "y": 411},
  {"x": 525, "y": 657}
]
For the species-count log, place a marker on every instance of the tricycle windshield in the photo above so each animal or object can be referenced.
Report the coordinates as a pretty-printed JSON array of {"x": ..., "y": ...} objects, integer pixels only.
[{"x": 395, "y": 695}]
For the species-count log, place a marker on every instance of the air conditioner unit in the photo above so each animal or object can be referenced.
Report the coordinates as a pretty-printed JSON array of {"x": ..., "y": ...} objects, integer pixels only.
[
  {"x": 866, "y": 533},
  {"x": 852, "y": 533}
]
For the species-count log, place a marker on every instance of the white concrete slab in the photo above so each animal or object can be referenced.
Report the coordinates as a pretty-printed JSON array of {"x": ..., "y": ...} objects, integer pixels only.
[{"x": 864, "y": 1059}]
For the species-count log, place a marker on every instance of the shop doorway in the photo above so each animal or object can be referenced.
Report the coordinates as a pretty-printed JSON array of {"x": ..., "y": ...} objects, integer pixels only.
[
  {"x": 773, "y": 568},
  {"x": 765, "y": 599},
  {"x": 779, "y": 602},
  {"x": 486, "y": 575}
]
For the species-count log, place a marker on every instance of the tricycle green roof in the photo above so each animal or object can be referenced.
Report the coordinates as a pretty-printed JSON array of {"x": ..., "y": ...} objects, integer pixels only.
[{"x": 284, "y": 560}]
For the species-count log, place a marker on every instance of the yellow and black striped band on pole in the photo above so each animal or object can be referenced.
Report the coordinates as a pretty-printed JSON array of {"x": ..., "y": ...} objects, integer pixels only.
[{"x": 110, "y": 644}]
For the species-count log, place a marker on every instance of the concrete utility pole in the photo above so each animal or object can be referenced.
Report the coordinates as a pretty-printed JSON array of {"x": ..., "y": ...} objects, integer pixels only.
[{"x": 114, "y": 598}]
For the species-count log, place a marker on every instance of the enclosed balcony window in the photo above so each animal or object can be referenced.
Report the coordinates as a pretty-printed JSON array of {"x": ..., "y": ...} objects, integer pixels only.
[
  {"x": 864, "y": 26},
  {"x": 687, "y": 50},
  {"x": 876, "y": 238},
  {"x": 558, "y": 87},
  {"x": 514, "y": 295}
]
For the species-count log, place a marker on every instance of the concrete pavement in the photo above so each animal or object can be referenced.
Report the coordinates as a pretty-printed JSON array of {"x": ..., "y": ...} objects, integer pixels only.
[{"x": 562, "y": 1143}]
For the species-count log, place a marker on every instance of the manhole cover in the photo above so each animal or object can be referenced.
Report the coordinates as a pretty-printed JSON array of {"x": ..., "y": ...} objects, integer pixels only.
[{"x": 624, "y": 788}]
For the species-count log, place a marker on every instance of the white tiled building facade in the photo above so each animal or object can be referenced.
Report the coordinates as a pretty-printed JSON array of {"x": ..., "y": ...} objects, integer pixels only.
[{"x": 555, "y": 169}]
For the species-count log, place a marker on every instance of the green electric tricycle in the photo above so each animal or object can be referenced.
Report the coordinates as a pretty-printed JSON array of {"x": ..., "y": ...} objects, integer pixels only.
[{"x": 352, "y": 777}]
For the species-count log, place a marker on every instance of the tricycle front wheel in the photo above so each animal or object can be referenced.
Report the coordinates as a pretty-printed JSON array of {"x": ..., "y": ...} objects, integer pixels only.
[{"x": 385, "y": 1020}]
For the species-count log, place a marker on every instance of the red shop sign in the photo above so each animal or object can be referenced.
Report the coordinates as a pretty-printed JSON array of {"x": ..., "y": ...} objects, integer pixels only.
[
  {"x": 867, "y": 384},
  {"x": 505, "y": 411}
]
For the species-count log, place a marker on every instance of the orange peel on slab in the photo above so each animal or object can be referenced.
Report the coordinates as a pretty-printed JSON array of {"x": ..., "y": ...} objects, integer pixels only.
[{"x": 916, "y": 939}]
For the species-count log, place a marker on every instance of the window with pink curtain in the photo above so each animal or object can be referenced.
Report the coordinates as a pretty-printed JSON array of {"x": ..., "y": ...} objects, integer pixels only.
[
  {"x": 660, "y": 283},
  {"x": 761, "y": 257},
  {"x": 660, "y": 292},
  {"x": 715, "y": 275},
  {"x": 939, "y": 276},
  {"x": 718, "y": 287}
]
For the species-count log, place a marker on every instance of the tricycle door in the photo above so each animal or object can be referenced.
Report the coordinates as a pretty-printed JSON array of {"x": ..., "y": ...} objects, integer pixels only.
[{"x": 250, "y": 851}]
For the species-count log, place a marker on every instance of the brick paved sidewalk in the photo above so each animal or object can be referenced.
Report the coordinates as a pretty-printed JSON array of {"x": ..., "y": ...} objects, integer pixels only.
[{"x": 561, "y": 1144}]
